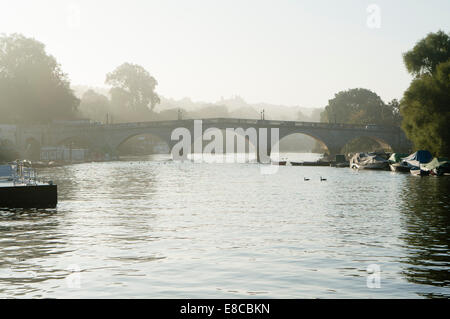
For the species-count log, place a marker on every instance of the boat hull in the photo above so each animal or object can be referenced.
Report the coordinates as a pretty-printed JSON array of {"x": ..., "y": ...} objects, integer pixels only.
[
  {"x": 419, "y": 172},
  {"x": 399, "y": 168},
  {"x": 297, "y": 163},
  {"x": 38, "y": 196},
  {"x": 318, "y": 163},
  {"x": 377, "y": 166}
]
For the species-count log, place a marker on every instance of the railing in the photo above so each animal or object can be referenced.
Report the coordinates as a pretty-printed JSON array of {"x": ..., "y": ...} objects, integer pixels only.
[
  {"x": 23, "y": 173},
  {"x": 280, "y": 123}
]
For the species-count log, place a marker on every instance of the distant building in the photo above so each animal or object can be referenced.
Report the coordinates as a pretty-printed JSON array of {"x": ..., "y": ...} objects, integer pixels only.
[{"x": 64, "y": 154}]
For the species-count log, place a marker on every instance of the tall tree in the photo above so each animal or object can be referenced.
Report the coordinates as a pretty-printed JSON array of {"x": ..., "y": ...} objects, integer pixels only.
[
  {"x": 427, "y": 54},
  {"x": 425, "y": 106},
  {"x": 426, "y": 111},
  {"x": 358, "y": 106},
  {"x": 361, "y": 106},
  {"x": 132, "y": 88},
  {"x": 33, "y": 88}
]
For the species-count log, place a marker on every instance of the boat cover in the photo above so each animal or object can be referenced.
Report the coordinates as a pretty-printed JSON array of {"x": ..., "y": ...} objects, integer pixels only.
[
  {"x": 419, "y": 157},
  {"x": 437, "y": 162},
  {"x": 397, "y": 157},
  {"x": 367, "y": 158}
]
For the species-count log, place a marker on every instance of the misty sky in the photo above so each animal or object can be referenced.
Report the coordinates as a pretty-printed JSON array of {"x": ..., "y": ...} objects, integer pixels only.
[{"x": 281, "y": 52}]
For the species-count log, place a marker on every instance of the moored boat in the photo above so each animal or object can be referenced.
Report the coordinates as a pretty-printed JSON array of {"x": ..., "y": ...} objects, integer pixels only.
[
  {"x": 417, "y": 171},
  {"x": 397, "y": 164},
  {"x": 419, "y": 157},
  {"x": 318, "y": 163},
  {"x": 296, "y": 163},
  {"x": 368, "y": 161},
  {"x": 438, "y": 166},
  {"x": 281, "y": 163},
  {"x": 20, "y": 187},
  {"x": 416, "y": 161}
]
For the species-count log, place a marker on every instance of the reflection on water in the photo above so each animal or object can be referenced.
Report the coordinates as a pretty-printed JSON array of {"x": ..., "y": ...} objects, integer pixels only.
[
  {"x": 28, "y": 237},
  {"x": 153, "y": 228},
  {"x": 426, "y": 220}
]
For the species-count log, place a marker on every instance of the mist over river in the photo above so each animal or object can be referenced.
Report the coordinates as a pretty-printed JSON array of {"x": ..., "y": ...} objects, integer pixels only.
[{"x": 150, "y": 227}]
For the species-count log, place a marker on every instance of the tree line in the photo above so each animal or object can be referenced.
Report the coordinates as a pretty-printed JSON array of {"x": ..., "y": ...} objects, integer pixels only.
[{"x": 34, "y": 89}]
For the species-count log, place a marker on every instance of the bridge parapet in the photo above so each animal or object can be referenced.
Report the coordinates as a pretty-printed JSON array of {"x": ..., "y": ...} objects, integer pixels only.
[{"x": 190, "y": 122}]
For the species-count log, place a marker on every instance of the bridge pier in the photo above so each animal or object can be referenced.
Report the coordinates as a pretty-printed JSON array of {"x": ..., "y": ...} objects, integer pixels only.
[
  {"x": 333, "y": 151},
  {"x": 264, "y": 146}
]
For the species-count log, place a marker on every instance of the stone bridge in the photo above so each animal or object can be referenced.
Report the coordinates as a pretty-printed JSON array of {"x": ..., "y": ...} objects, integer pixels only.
[{"x": 108, "y": 137}]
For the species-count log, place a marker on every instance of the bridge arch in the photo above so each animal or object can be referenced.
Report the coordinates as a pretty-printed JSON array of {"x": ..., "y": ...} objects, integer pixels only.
[
  {"x": 237, "y": 138},
  {"x": 142, "y": 141},
  {"x": 322, "y": 143},
  {"x": 366, "y": 143},
  {"x": 238, "y": 134}
]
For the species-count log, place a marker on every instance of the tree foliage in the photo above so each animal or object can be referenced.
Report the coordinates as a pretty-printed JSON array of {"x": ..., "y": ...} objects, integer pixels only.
[
  {"x": 360, "y": 106},
  {"x": 427, "y": 54},
  {"x": 133, "y": 88},
  {"x": 426, "y": 111},
  {"x": 33, "y": 88},
  {"x": 425, "y": 106}
]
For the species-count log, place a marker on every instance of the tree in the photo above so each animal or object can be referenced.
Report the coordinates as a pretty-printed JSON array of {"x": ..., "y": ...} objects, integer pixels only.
[
  {"x": 95, "y": 106},
  {"x": 33, "y": 88},
  {"x": 425, "y": 106},
  {"x": 427, "y": 54},
  {"x": 361, "y": 106},
  {"x": 393, "y": 113},
  {"x": 132, "y": 88},
  {"x": 426, "y": 111},
  {"x": 358, "y": 106}
]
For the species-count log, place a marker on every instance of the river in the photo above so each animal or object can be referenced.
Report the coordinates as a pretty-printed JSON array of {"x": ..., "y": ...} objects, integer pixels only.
[{"x": 154, "y": 228}]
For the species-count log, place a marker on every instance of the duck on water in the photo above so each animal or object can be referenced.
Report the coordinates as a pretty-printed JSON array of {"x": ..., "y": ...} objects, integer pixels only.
[{"x": 20, "y": 187}]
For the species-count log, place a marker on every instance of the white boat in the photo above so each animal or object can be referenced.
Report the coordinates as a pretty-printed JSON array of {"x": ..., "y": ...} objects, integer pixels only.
[
  {"x": 416, "y": 161},
  {"x": 368, "y": 161},
  {"x": 397, "y": 164}
]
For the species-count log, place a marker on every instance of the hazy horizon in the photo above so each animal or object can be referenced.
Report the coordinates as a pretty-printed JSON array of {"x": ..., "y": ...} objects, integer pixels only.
[{"x": 293, "y": 54}]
